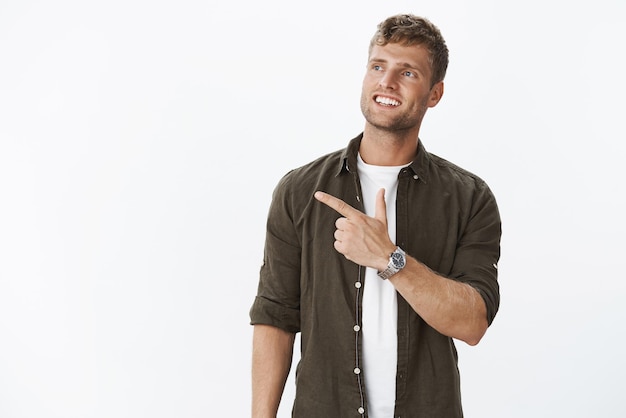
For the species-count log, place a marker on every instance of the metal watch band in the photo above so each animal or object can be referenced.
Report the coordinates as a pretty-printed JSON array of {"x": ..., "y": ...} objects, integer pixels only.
[{"x": 391, "y": 267}]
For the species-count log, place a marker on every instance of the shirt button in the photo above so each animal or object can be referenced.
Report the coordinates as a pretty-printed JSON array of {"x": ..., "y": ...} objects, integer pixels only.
[
  {"x": 361, "y": 410},
  {"x": 357, "y": 370},
  {"x": 357, "y": 285},
  {"x": 357, "y": 328}
]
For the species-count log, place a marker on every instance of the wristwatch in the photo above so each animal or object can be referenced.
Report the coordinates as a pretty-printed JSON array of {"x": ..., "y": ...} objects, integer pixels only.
[{"x": 397, "y": 261}]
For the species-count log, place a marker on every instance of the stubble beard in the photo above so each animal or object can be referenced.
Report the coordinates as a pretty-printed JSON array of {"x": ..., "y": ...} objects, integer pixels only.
[{"x": 401, "y": 123}]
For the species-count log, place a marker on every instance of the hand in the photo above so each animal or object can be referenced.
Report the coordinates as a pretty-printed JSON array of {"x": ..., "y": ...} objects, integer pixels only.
[{"x": 361, "y": 238}]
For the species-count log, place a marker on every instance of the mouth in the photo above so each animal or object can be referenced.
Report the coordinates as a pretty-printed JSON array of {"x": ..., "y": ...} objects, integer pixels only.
[{"x": 386, "y": 101}]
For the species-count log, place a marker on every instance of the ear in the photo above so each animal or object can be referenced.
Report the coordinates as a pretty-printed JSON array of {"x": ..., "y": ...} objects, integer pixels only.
[{"x": 436, "y": 92}]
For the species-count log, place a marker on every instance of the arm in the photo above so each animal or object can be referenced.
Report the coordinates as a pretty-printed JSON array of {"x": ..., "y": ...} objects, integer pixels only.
[
  {"x": 453, "y": 308},
  {"x": 272, "y": 350}
]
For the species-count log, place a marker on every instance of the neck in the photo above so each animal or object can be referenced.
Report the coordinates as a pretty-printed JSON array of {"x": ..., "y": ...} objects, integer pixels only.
[{"x": 380, "y": 147}]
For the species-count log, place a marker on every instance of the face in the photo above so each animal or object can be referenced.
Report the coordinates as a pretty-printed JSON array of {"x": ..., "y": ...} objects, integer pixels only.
[{"x": 397, "y": 87}]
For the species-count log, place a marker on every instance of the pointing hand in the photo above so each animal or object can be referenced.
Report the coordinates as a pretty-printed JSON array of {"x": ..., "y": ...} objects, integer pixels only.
[{"x": 361, "y": 238}]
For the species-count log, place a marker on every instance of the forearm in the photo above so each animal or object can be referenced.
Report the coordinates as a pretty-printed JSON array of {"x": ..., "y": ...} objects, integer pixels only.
[
  {"x": 453, "y": 308},
  {"x": 272, "y": 352}
]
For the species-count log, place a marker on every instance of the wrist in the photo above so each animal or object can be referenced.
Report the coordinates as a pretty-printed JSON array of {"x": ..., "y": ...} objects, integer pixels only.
[{"x": 395, "y": 263}]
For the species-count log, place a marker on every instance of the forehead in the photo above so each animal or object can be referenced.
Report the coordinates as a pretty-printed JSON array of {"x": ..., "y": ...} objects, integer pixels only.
[{"x": 414, "y": 56}]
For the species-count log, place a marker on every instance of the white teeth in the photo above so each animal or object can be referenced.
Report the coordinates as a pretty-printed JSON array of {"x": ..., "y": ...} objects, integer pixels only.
[{"x": 387, "y": 101}]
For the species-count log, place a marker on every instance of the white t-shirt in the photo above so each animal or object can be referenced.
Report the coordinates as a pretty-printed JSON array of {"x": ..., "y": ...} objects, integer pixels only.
[{"x": 380, "y": 309}]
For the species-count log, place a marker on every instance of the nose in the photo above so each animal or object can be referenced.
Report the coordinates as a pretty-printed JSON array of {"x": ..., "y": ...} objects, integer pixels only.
[{"x": 388, "y": 80}]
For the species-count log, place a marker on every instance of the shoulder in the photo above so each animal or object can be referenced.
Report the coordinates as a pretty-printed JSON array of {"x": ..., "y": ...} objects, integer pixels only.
[
  {"x": 310, "y": 174},
  {"x": 293, "y": 195},
  {"x": 321, "y": 170},
  {"x": 446, "y": 172},
  {"x": 451, "y": 181}
]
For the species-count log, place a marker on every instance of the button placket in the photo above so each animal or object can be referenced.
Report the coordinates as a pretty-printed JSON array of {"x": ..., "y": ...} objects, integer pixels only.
[{"x": 357, "y": 328}]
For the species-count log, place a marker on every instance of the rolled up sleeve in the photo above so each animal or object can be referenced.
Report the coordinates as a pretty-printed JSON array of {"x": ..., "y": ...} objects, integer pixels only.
[
  {"x": 478, "y": 251},
  {"x": 278, "y": 298}
]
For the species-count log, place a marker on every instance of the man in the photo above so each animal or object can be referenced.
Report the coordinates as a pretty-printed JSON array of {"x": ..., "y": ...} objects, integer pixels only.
[{"x": 379, "y": 255}]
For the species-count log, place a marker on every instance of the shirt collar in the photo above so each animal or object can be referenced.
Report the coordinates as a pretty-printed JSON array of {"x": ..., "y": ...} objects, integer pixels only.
[
  {"x": 348, "y": 161},
  {"x": 419, "y": 166}
]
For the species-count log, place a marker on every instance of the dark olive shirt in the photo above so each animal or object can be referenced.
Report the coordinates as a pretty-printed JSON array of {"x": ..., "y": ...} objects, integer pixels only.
[{"x": 446, "y": 217}]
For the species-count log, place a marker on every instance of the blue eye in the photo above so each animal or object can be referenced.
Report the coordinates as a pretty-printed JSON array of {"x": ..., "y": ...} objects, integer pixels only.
[
  {"x": 409, "y": 74},
  {"x": 377, "y": 68}
]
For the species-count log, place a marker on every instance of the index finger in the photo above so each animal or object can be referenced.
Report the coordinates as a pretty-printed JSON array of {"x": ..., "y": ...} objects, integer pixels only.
[{"x": 337, "y": 204}]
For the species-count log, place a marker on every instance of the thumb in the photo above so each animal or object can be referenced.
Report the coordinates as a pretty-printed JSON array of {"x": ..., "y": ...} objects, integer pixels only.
[{"x": 381, "y": 207}]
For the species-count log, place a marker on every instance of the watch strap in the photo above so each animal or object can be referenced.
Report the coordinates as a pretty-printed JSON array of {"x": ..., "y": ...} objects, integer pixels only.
[{"x": 392, "y": 268}]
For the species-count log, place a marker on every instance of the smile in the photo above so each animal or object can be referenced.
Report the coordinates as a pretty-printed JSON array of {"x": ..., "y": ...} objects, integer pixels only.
[{"x": 386, "y": 101}]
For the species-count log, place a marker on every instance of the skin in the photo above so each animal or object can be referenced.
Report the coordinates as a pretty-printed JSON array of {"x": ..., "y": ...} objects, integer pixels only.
[
  {"x": 402, "y": 75},
  {"x": 271, "y": 360},
  {"x": 452, "y": 308}
]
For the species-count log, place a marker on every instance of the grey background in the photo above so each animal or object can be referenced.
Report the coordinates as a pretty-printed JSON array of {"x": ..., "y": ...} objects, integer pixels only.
[{"x": 140, "y": 143}]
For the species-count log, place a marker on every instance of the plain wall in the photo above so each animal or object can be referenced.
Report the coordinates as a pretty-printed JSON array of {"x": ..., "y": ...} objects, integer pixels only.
[{"x": 140, "y": 142}]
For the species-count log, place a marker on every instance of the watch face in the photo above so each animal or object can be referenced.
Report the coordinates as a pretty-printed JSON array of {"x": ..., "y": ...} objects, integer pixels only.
[{"x": 398, "y": 260}]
